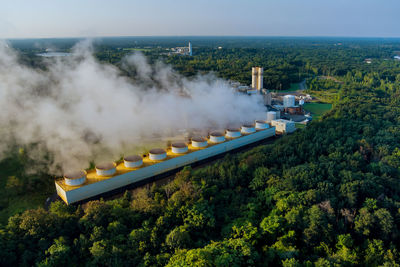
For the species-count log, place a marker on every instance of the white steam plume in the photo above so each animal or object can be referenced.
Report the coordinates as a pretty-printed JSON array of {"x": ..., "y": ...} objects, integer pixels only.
[{"x": 80, "y": 110}]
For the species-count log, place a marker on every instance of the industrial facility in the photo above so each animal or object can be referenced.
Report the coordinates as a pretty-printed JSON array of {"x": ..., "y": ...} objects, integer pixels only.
[
  {"x": 82, "y": 185},
  {"x": 184, "y": 50},
  {"x": 284, "y": 106},
  {"x": 105, "y": 177}
]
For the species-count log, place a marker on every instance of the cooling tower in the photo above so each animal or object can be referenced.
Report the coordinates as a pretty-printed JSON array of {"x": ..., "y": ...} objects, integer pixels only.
[
  {"x": 75, "y": 178},
  {"x": 179, "y": 148},
  {"x": 248, "y": 128},
  {"x": 117, "y": 177},
  {"x": 233, "y": 133},
  {"x": 133, "y": 161},
  {"x": 217, "y": 137},
  {"x": 106, "y": 169},
  {"x": 199, "y": 142},
  {"x": 261, "y": 125},
  {"x": 157, "y": 154}
]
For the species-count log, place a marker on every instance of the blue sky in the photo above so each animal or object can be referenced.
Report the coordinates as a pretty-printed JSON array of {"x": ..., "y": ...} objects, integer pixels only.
[{"x": 83, "y": 18}]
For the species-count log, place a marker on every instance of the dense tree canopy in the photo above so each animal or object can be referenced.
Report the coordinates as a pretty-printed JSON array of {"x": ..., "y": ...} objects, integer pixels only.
[{"x": 327, "y": 195}]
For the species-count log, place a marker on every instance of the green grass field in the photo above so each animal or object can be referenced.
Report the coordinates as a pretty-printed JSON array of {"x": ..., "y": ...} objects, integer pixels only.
[
  {"x": 317, "y": 109},
  {"x": 326, "y": 96},
  {"x": 293, "y": 88}
]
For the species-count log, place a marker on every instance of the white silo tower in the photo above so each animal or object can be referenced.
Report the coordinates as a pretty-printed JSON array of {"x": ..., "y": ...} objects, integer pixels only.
[
  {"x": 254, "y": 77},
  {"x": 257, "y": 78},
  {"x": 190, "y": 49},
  {"x": 260, "y": 82}
]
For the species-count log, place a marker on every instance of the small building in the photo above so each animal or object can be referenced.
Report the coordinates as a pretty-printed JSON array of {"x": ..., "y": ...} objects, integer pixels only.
[
  {"x": 267, "y": 96},
  {"x": 295, "y": 110},
  {"x": 283, "y": 126},
  {"x": 278, "y": 107}
]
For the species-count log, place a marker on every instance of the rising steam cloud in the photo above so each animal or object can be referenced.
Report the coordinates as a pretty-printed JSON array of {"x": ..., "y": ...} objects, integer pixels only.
[{"x": 80, "y": 110}]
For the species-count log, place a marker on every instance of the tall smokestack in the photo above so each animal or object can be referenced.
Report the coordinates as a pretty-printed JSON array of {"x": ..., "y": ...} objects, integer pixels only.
[{"x": 190, "y": 49}]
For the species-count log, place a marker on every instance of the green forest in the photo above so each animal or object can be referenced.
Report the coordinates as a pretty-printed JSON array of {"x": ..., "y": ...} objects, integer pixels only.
[{"x": 327, "y": 195}]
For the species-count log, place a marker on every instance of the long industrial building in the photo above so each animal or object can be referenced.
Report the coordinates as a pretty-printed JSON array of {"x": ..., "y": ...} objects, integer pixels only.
[{"x": 82, "y": 185}]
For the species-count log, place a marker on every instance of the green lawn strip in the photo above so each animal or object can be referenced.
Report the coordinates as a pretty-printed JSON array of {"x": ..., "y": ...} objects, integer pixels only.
[
  {"x": 293, "y": 88},
  {"x": 317, "y": 109},
  {"x": 300, "y": 125}
]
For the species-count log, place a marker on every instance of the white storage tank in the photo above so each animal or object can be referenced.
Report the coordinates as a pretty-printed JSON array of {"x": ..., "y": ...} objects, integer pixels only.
[
  {"x": 75, "y": 178},
  {"x": 133, "y": 161},
  {"x": 199, "y": 142},
  {"x": 261, "y": 125},
  {"x": 157, "y": 154},
  {"x": 233, "y": 133},
  {"x": 106, "y": 169},
  {"x": 271, "y": 115},
  {"x": 289, "y": 101},
  {"x": 248, "y": 128},
  {"x": 179, "y": 148},
  {"x": 217, "y": 137}
]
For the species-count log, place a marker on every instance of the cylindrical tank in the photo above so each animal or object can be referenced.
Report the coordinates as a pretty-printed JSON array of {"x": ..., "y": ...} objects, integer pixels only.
[
  {"x": 233, "y": 133},
  {"x": 289, "y": 100},
  {"x": 133, "y": 161},
  {"x": 157, "y": 154},
  {"x": 199, "y": 142},
  {"x": 261, "y": 125},
  {"x": 106, "y": 169},
  {"x": 217, "y": 137},
  {"x": 271, "y": 115},
  {"x": 248, "y": 128},
  {"x": 75, "y": 178},
  {"x": 179, "y": 148}
]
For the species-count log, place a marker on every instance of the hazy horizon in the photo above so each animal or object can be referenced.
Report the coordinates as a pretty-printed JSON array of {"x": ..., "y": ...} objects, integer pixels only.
[
  {"x": 203, "y": 36},
  {"x": 255, "y": 18}
]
